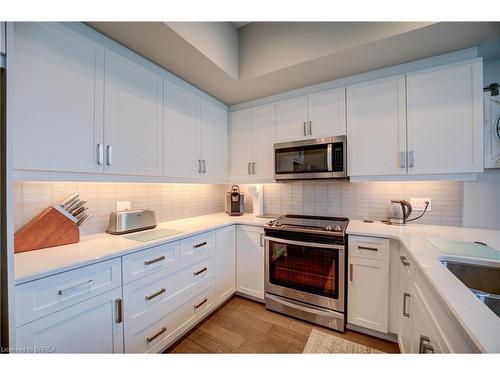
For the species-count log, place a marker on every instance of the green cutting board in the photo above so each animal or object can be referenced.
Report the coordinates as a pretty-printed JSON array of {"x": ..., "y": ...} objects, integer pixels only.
[
  {"x": 466, "y": 249},
  {"x": 152, "y": 235}
]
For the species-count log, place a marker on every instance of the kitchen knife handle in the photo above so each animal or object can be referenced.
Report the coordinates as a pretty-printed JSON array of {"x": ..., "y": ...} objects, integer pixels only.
[
  {"x": 109, "y": 154},
  {"x": 100, "y": 154}
]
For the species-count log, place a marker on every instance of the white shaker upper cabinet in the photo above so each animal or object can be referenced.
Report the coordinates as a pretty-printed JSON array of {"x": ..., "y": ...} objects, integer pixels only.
[
  {"x": 240, "y": 144},
  {"x": 2, "y": 38},
  {"x": 291, "y": 119},
  {"x": 326, "y": 113},
  {"x": 182, "y": 132},
  {"x": 445, "y": 119},
  {"x": 376, "y": 128},
  {"x": 263, "y": 131},
  {"x": 57, "y": 99},
  {"x": 213, "y": 141},
  {"x": 133, "y": 116}
]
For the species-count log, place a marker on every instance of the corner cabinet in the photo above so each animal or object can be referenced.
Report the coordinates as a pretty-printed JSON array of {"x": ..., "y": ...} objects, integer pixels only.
[
  {"x": 225, "y": 263},
  {"x": 58, "y": 102},
  {"x": 250, "y": 261},
  {"x": 251, "y": 140},
  {"x": 133, "y": 116}
]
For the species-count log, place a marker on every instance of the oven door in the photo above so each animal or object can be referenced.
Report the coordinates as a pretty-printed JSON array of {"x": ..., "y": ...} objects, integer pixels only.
[{"x": 308, "y": 272}]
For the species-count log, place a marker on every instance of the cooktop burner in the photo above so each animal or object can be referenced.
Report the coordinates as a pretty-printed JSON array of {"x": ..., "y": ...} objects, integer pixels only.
[{"x": 304, "y": 223}]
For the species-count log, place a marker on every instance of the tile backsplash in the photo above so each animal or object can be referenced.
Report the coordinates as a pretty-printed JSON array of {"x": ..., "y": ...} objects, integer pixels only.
[
  {"x": 364, "y": 200},
  {"x": 170, "y": 201},
  {"x": 360, "y": 200}
]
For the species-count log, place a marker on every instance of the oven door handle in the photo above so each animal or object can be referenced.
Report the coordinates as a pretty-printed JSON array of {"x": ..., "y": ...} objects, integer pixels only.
[
  {"x": 315, "y": 310},
  {"x": 309, "y": 244}
]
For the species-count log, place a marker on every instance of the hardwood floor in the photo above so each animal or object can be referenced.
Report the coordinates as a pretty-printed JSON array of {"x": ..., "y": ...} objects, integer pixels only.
[{"x": 245, "y": 326}]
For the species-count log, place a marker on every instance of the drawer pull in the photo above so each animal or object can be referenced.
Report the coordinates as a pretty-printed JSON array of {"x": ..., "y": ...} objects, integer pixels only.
[
  {"x": 196, "y": 273},
  {"x": 205, "y": 300},
  {"x": 199, "y": 245},
  {"x": 405, "y": 296},
  {"x": 119, "y": 310},
  {"x": 61, "y": 291},
  {"x": 404, "y": 261},
  {"x": 367, "y": 248},
  {"x": 425, "y": 345},
  {"x": 159, "y": 259},
  {"x": 161, "y": 291},
  {"x": 350, "y": 272},
  {"x": 162, "y": 330}
]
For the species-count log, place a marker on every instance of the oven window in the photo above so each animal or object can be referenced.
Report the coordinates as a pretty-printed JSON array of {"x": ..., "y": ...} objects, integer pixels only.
[
  {"x": 308, "y": 269},
  {"x": 310, "y": 159}
]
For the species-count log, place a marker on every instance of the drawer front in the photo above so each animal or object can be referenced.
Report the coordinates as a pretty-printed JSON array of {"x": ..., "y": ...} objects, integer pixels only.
[
  {"x": 198, "y": 244},
  {"x": 160, "y": 329},
  {"x": 41, "y": 297},
  {"x": 369, "y": 247},
  {"x": 156, "y": 292},
  {"x": 146, "y": 262}
]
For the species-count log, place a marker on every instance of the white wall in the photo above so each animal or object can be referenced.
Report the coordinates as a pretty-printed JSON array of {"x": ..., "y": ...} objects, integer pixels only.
[
  {"x": 481, "y": 201},
  {"x": 216, "y": 40}
]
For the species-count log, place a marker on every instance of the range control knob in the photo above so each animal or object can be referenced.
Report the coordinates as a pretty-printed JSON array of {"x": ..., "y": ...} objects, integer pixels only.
[
  {"x": 337, "y": 228},
  {"x": 328, "y": 227}
]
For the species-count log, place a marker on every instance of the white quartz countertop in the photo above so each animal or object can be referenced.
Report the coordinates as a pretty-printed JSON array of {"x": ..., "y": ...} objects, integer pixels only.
[
  {"x": 33, "y": 265},
  {"x": 482, "y": 325}
]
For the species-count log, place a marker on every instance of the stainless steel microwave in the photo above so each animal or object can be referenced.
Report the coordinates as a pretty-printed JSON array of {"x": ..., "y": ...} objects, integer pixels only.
[{"x": 311, "y": 159}]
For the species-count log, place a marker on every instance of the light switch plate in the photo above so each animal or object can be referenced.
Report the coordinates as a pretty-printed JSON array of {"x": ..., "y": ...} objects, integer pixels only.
[
  {"x": 418, "y": 204},
  {"x": 122, "y": 205}
]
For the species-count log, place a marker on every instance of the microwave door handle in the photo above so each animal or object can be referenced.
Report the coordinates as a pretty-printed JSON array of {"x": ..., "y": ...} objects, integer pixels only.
[{"x": 329, "y": 157}]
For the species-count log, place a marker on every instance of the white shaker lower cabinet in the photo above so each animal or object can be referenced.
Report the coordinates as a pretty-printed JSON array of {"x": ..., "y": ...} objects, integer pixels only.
[
  {"x": 368, "y": 283},
  {"x": 57, "y": 102},
  {"x": 92, "y": 326},
  {"x": 406, "y": 269},
  {"x": 250, "y": 261},
  {"x": 225, "y": 263}
]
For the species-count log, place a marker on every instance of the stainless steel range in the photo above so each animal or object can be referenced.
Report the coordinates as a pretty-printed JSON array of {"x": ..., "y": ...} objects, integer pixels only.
[{"x": 305, "y": 268}]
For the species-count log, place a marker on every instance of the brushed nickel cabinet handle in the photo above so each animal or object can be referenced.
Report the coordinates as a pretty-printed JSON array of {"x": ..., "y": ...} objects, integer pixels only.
[
  {"x": 149, "y": 262},
  {"x": 367, "y": 248},
  {"x": 410, "y": 157},
  {"x": 404, "y": 261},
  {"x": 403, "y": 159},
  {"x": 162, "y": 330},
  {"x": 310, "y": 128},
  {"x": 62, "y": 290},
  {"x": 205, "y": 300},
  {"x": 109, "y": 154},
  {"x": 253, "y": 168},
  {"x": 204, "y": 162},
  {"x": 200, "y": 245},
  {"x": 196, "y": 273},
  {"x": 405, "y": 296},
  {"x": 262, "y": 240},
  {"x": 305, "y": 131},
  {"x": 425, "y": 345},
  {"x": 249, "y": 166},
  {"x": 119, "y": 310},
  {"x": 350, "y": 272},
  {"x": 100, "y": 154},
  {"x": 160, "y": 292},
  {"x": 199, "y": 166}
]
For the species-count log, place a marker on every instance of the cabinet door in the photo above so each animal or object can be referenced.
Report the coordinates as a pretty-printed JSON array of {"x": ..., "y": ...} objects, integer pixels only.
[
  {"x": 368, "y": 293},
  {"x": 376, "y": 128},
  {"x": 182, "y": 132},
  {"x": 263, "y": 125},
  {"x": 291, "y": 119},
  {"x": 87, "y": 327},
  {"x": 57, "y": 99},
  {"x": 2, "y": 37},
  {"x": 423, "y": 338},
  {"x": 405, "y": 302},
  {"x": 133, "y": 116},
  {"x": 213, "y": 140},
  {"x": 225, "y": 261},
  {"x": 326, "y": 113},
  {"x": 445, "y": 119},
  {"x": 250, "y": 261},
  {"x": 240, "y": 144}
]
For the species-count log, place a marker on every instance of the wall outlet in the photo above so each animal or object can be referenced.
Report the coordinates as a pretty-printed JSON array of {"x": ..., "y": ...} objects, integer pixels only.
[
  {"x": 122, "y": 205},
  {"x": 418, "y": 204}
]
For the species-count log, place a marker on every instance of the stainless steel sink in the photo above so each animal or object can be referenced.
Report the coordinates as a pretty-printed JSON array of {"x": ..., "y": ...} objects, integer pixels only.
[{"x": 482, "y": 280}]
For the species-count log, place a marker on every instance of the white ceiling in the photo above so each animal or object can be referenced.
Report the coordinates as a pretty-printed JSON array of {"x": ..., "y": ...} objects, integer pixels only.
[{"x": 278, "y": 56}]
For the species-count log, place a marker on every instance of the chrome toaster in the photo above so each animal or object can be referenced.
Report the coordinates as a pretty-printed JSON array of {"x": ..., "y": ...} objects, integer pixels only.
[{"x": 128, "y": 221}]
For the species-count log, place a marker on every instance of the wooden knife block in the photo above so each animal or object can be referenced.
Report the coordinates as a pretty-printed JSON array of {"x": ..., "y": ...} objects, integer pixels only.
[{"x": 49, "y": 228}]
